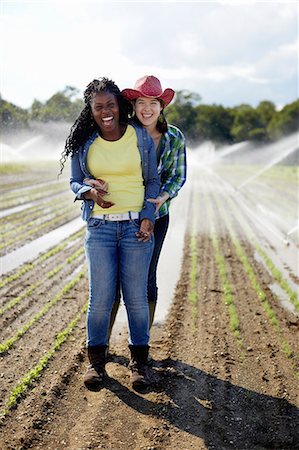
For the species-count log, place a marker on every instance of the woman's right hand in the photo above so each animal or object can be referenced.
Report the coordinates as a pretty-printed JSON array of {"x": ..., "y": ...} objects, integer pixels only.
[
  {"x": 99, "y": 184},
  {"x": 96, "y": 196}
]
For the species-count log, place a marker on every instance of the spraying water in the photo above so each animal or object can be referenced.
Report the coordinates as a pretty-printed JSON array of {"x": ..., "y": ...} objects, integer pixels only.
[{"x": 43, "y": 142}]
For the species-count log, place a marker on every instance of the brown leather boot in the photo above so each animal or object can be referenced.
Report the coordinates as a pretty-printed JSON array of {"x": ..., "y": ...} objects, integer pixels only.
[
  {"x": 94, "y": 376},
  {"x": 140, "y": 371}
]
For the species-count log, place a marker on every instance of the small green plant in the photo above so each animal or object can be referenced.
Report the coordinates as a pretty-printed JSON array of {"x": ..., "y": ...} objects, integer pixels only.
[
  {"x": 11, "y": 341},
  {"x": 30, "y": 377}
]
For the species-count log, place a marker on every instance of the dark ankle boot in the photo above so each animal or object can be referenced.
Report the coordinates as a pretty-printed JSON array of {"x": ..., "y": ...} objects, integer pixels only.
[
  {"x": 94, "y": 376},
  {"x": 138, "y": 366}
]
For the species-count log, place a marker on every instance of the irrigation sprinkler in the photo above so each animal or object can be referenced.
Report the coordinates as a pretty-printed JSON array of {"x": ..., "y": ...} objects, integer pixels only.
[{"x": 287, "y": 152}]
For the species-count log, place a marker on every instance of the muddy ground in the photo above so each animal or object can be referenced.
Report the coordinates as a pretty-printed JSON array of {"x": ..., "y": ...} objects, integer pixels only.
[{"x": 212, "y": 388}]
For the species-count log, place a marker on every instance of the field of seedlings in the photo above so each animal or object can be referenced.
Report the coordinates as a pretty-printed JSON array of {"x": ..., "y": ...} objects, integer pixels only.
[{"x": 226, "y": 357}]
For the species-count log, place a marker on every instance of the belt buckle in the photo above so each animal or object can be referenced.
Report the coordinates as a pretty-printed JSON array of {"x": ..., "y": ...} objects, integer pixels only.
[{"x": 114, "y": 217}]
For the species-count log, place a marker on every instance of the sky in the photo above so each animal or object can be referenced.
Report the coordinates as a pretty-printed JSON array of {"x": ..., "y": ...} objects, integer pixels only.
[{"x": 228, "y": 52}]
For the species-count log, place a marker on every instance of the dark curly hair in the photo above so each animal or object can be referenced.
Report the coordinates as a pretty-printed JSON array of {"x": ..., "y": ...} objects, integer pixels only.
[{"x": 85, "y": 124}]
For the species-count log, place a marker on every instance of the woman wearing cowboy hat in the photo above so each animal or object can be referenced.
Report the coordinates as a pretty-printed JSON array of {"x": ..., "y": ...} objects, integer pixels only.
[{"x": 149, "y": 101}]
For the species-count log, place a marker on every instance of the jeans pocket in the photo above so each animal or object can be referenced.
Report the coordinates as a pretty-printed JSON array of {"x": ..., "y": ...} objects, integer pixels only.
[
  {"x": 94, "y": 223},
  {"x": 136, "y": 222}
]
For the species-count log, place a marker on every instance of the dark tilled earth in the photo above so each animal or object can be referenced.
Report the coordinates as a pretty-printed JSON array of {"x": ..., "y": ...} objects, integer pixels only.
[
  {"x": 208, "y": 391},
  {"x": 211, "y": 389}
]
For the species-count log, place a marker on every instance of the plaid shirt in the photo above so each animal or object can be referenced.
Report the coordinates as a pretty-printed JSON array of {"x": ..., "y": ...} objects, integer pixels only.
[{"x": 172, "y": 165}]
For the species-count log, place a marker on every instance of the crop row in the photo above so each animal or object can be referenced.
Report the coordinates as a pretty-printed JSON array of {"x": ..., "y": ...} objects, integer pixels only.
[
  {"x": 66, "y": 215},
  {"x": 279, "y": 184},
  {"x": 224, "y": 269},
  {"x": 28, "y": 267},
  {"x": 22, "y": 224},
  {"x": 20, "y": 175},
  {"x": 6, "y": 345},
  {"x": 33, "y": 372},
  {"x": 261, "y": 294},
  {"x": 41, "y": 282},
  {"x": 32, "y": 212},
  {"x": 275, "y": 272},
  {"x": 16, "y": 199},
  {"x": 30, "y": 377}
]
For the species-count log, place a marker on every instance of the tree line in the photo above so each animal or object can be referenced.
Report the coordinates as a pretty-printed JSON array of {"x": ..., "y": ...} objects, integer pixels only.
[{"x": 198, "y": 121}]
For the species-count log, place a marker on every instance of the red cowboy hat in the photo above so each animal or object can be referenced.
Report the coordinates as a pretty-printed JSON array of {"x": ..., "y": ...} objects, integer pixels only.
[{"x": 149, "y": 86}]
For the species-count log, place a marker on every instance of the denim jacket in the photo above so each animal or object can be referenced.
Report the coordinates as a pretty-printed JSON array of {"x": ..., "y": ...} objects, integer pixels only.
[{"x": 150, "y": 175}]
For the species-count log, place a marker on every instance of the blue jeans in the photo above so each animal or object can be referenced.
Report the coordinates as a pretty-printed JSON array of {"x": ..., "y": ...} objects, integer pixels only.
[
  {"x": 160, "y": 230},
  {"x": 112, "y": 250}
]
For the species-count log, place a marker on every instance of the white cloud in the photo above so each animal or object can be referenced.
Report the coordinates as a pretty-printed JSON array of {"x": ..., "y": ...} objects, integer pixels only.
[{"x": 205, "y": 47}]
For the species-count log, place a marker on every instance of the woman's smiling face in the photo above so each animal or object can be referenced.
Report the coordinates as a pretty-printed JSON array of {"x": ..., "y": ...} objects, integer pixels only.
[
  {"x": 147, "y": 110},
  {"x": 105, "y": 111}
]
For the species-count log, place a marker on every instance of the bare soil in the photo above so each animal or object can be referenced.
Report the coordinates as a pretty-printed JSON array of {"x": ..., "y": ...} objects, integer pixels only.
[
  {"x": 210, "y": 390},
  {"x": 207, "y": 392}
]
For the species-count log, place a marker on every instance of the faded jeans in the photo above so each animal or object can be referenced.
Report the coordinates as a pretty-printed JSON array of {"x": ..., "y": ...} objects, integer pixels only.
[{"x": 112, "y": 250}]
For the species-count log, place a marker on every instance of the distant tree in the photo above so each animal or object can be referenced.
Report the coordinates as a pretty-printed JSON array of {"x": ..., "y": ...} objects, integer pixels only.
[
  {"x": 36, "y": 110},
  {"x": 266, "y": 111},
  {"x": 258, "y": 134},
  {"x": 12, "y": 117},
  {"x": 246, "y": 119},
  {"x": 59, "y": 107},
  {"x": 285, "y": 121},
  {"x": 213, "y": 122},
  {"x": 182, "y": 113}
]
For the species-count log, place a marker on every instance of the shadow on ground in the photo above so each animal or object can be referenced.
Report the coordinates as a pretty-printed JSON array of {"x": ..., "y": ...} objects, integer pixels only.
[{"x": 224, "y": 415}]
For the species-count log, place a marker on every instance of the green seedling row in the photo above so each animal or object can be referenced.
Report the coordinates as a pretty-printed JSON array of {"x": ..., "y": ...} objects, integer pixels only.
[
  {"x": 21, "y": 228},
  {"x": 192, "y": 295},
  {"x": 15, "y": 301},
  {"x": 35, "y": 230},
  {"x": 234, "y": 322},
  {"x": 34, "y": 374},
  {"x": 277, "y": 275},
  {"x": 193, "y": 276},
  {"x": 29, "y": 266},
  {"x": 24, "y": 269},
  {"x": 20, "y": 333},
  {"x": 33, "y": 210},
  {"x": 256, "y": 286},
  {"x": 34, "y": 214},
  {"x": 15, "y": 199}
]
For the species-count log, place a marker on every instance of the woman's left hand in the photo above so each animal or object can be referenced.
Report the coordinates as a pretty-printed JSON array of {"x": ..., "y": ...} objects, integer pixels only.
[
  {"x": 159, "y": 200},
  {"x": 145, "y": 231}
]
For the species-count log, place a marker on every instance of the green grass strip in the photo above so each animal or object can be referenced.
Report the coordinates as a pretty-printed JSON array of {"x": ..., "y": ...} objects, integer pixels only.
[
  {"x": 30, "y": 377},
  {"x": 10, "y": 342}
]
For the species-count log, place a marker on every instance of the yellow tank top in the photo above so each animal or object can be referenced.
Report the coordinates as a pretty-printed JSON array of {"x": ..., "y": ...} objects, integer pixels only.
[{"x": 119, "y": 164}]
